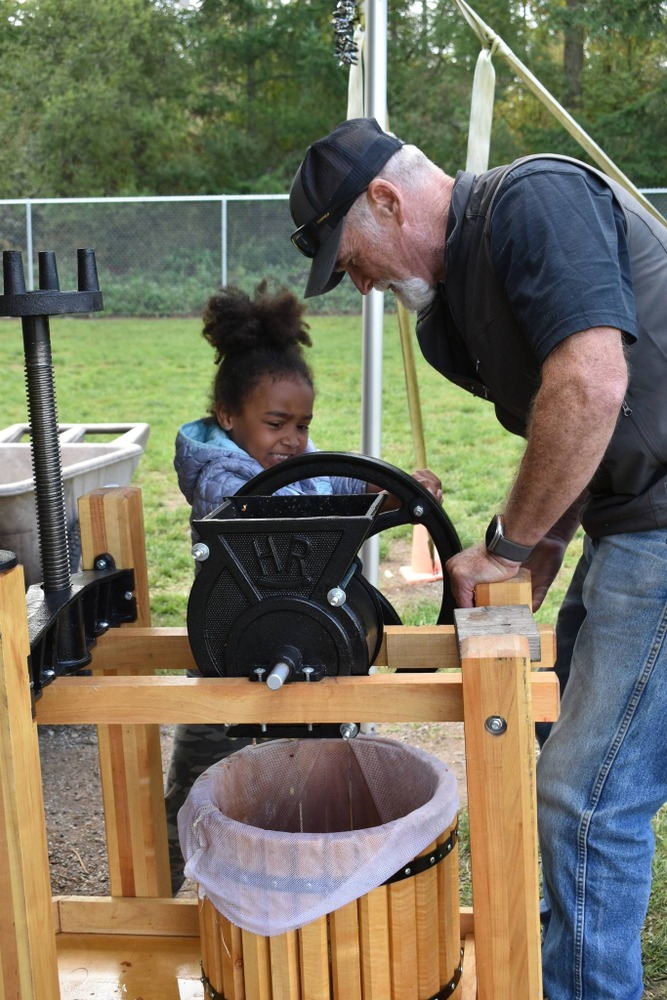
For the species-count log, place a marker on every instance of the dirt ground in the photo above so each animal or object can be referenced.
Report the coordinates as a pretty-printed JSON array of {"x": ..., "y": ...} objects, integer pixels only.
[{"x": 71, "y": 775}]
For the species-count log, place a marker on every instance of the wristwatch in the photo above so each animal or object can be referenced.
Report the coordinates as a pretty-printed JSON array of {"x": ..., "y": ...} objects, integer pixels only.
[{"x": 497, "y": 543}]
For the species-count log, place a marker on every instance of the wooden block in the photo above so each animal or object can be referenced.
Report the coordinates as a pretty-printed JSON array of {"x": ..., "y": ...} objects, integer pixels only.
[
  {"x": 496, "y": 621},
  {"x": 517, "y": 590}
]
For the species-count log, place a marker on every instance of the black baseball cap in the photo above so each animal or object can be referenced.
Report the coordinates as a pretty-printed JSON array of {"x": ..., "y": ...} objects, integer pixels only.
[{"x": 334, "y": 172}]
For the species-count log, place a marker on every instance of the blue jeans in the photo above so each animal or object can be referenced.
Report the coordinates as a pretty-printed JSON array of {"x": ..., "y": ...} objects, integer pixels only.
[{"x": 602, "y": 773}]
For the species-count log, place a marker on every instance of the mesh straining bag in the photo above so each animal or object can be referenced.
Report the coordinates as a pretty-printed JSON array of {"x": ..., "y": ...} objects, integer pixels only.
[{"x": 281, "y": 833}]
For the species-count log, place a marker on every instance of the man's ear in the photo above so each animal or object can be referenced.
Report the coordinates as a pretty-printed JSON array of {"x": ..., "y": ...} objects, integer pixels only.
[
  {"x": 223, "y": 416},
  {"x": 386, "y": 200}
]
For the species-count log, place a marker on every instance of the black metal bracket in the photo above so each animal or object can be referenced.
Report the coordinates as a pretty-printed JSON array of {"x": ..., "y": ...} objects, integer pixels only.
[
  {"x": 64, "y": 625},
  {"x": 426, "y": 861}
]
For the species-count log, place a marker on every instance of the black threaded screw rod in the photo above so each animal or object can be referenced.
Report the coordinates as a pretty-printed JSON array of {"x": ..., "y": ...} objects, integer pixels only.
[
  {"x": 46, "y": 460},
  {"x": 34, "y": 308}
]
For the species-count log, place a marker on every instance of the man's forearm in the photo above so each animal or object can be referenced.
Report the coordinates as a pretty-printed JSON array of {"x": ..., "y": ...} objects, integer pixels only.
[{"x": 573, "y": 419}]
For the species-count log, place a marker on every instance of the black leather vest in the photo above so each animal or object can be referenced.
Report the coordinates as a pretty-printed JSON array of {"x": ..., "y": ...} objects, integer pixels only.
[{"x": 469, "y": 334}]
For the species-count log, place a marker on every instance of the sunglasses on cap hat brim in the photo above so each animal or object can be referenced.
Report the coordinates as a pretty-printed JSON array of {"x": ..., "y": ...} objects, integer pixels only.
[{"x": 308, "y": 238}]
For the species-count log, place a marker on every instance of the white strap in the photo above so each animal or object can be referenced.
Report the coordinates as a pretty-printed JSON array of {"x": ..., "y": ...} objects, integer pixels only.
[
  {"x": 481, "y": 112},
  {"x": 487, "y": 36}
]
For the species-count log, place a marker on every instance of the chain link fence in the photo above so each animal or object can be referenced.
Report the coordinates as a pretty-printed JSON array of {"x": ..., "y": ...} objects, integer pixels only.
[{"x": 166, "y": 256}]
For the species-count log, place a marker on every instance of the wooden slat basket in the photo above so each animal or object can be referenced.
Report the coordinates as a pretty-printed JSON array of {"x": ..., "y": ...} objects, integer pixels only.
[{"x": 400, "y": 941}]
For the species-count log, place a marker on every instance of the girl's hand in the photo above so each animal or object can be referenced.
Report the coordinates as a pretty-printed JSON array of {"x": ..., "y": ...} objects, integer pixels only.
[{"x": 429, "y": 481}]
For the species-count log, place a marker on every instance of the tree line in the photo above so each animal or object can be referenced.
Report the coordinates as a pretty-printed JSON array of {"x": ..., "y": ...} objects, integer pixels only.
[{"x": 149, "y": 97}]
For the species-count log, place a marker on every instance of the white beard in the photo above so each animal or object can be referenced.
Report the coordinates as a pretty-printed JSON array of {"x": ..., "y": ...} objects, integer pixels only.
[{"x": 413, "y": 293}]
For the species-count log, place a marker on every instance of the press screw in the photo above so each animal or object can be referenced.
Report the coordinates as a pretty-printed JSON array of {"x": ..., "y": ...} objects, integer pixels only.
[
  {"x": 200, "y": 551},
  {"x": 349, "y": 730},
  {"x": 496, "y": 725},
  {"x": 259, "y": 671},
  {"x": 418, "y": 510}
]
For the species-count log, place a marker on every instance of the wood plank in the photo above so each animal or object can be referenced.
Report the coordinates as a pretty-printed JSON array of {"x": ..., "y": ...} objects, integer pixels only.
[
  {"x": 403, "y": 940},
  {"x": 375, "y": 947},
  {"x": 111, "y": 520},
  {"x": 345, "y": 953},
  {"x": 256, "y": 966},
  {"x": 120, "y": 968},
  {"x": 131, "y": 915},
  {"x": 449, "y": 932},
  {"x": 169, "y": 700},
  {"x": 428, "y": 953},
  {"x": 410, "y": 647},
  {"x": 498, "y": 620},
  {"x": 503, "y": 817},
  {"x": 232, "y": 959},
  {"x": 468, "y": 983},
  {"x": 314, "y": 958},
  {"x": 285, "y": 980},
  {"x": 28, "y": 965}
]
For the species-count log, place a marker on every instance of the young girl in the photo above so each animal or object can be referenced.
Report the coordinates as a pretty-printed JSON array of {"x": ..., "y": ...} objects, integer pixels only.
[
  {"x": 261, "y": 404},
  {"x": 260, "y": 411}
]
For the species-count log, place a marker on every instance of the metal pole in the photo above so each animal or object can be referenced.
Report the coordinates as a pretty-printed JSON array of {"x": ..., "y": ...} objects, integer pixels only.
[
  {"x": 224, "y": 240},
  {"x": 28, "y": 244},
  {"x": 373, "y": 306}
]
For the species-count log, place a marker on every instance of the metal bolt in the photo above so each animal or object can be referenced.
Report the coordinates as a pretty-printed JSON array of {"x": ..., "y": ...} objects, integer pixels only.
[
  {"x": 128, "y": 595},
  {"x": 279, "y": 675},
  {"x": 307, "y": 671},
  {"x": 200, "y": 551},
  {"x": 349, "y": 730},
  {"x": 496, "y": 725},
  {"x": 418, "y": 510},
  {"x": 259, "y": 671},
  {"x": 408, "y": 871},
  {"x": 102, "y": 562},
  {"x": 336, "y": 597}
]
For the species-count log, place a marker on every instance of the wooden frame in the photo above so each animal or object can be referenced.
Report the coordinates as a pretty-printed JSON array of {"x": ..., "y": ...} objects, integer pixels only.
[{"x": 140, "y": 938}]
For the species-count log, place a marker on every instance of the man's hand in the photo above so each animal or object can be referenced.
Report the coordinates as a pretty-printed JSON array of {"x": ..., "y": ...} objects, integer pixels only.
[
  {"x": 476, "y": 565},
  {"x": 544, "y": 562}
]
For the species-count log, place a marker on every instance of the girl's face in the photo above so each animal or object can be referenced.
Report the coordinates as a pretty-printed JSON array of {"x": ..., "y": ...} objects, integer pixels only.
[{"x": 273, "y": 423}]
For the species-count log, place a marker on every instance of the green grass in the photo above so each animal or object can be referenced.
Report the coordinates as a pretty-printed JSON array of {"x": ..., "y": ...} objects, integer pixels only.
[{"x": 159, "y": 372}]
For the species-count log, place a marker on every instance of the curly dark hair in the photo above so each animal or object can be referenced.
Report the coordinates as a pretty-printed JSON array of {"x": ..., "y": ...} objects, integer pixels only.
[{"x": 254, "y": 338}]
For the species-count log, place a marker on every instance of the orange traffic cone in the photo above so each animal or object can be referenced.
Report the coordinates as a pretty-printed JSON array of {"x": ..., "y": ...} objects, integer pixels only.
[{"x": 424, "y": 562}]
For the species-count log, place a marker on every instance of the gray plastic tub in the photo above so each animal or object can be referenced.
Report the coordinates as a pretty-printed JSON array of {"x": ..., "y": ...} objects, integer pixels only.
[{"x": 86, "y": 465}]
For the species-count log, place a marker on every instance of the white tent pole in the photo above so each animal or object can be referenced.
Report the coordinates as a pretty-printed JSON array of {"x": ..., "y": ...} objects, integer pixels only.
[{"x": 375, "y": 91}]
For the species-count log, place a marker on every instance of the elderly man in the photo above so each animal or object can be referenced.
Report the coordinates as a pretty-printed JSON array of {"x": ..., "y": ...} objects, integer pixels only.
[{"x": 541, "y": 286}]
